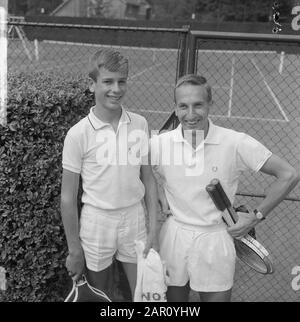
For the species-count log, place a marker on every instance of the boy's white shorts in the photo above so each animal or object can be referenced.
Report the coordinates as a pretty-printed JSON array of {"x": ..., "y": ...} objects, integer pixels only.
[
  {"x": 108, "y": 233},
  {"x": 205, "y": 257}
]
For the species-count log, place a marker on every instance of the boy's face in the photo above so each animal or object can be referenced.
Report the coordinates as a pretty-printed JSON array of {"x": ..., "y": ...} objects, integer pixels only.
[
  {"x": 109, "y": 89},
  {"x": 192, "y": 107}
]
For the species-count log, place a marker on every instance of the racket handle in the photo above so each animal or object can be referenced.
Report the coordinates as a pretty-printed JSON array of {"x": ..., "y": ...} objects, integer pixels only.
[
  {"x": 217, "y": 184},
  {"x": 215, "y": 196},
  {"x": 232, "y": 216}
]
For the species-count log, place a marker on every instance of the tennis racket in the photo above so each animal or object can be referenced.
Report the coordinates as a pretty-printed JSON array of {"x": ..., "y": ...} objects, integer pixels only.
[
  {"x": 248, "y": 249},
  {"x": 82, "y": 291}
]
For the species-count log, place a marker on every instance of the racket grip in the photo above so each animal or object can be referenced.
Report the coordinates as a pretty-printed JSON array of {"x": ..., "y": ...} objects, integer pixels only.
[
  {"x": 217, "y": 184},
  {"x": 233, "y": 217},
  {"x": 215, "y": 197}
]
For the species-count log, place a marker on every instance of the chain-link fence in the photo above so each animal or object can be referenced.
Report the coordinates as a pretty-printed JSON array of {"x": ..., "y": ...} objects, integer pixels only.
[
  {"x": 152, "y": 53},
  {"x": 255, "y": 89}
]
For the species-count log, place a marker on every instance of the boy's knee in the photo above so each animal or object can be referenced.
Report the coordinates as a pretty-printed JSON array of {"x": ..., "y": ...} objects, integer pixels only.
[{"x": 98, "y": 279}]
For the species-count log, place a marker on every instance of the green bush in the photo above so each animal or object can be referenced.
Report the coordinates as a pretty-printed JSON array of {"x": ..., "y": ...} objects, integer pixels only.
[{"x": 41, "y": 108}]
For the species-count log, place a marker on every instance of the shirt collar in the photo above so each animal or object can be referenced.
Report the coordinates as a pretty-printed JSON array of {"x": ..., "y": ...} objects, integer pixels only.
[
  {"x": 212, "y": 136},
  {"x": 98, "y": 124}
]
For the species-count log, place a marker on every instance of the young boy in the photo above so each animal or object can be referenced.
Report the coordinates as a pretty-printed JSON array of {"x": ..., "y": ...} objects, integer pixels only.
[
  {"x": 198, "y": 249},
  {"x": 108, "y": 149}
]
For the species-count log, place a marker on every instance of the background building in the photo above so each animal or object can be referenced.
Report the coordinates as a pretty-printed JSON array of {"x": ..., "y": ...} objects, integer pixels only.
[{"x": 112, "y": 9}]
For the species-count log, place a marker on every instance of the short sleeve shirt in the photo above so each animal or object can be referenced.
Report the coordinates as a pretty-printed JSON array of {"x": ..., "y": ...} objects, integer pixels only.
[
  {"x": 224, "y": 154},
  {"x": 109, "y": 162}
]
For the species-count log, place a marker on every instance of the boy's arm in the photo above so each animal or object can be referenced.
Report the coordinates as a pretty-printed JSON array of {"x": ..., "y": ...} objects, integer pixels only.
[
  {"x": 151, "y": 202},
  {"x": 162, "y": 199},
  {"x": 69, "y": 190},
  {"x": 286, "y": 179}
]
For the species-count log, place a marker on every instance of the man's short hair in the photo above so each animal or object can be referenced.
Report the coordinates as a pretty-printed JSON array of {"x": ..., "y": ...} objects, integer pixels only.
[
  {"x": 197, "y": 80},
  {"x": 110, "y": 59}
]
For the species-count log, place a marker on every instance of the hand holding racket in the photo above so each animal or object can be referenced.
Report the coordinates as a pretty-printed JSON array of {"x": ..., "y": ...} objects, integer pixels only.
[
  {"x": 82, "y": 291},
  {"x": 248, "y": 249},
  {"x": 75, "y": 265},
  {"x": 239, "y": 222},
  {"x": 246, "y": 222}
]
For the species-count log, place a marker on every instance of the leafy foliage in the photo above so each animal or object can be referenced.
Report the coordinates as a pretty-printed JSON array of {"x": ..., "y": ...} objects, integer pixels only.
[
  {"x": 41, "y": 109},
  {"x": 217, "y": 10}
]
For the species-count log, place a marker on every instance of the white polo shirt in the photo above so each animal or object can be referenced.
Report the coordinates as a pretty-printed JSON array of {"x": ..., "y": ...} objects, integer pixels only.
[
  {"x": 224, "y": 154},
  {"x": 103, "y": 159}
]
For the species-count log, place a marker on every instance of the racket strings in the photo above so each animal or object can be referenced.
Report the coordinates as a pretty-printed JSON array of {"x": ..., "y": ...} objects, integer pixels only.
[{"x": 251, "y": 257}]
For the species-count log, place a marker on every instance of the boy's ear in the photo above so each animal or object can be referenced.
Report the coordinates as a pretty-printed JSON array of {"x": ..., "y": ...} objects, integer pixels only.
[
  {"x": 175, "y": 108},
  {"x": 91, "y": 85}
]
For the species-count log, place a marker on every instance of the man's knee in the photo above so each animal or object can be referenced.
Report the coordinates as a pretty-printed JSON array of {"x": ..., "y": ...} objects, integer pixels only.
[
  {"x": 178, "y": 293},
  {"x": 223, "y": 296}
]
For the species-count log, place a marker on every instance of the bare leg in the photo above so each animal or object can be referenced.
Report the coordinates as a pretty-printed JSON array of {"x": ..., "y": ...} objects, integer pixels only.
[
  {"x": 215, "y": 296},
  {"x": 131, "y": 273},
  {"x": 98, "y": 279},
  {"x": 178, "y": 293}
]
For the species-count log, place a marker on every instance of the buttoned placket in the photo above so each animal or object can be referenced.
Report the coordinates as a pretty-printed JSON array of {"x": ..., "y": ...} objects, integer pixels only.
[{"x": 193, "y": 154}]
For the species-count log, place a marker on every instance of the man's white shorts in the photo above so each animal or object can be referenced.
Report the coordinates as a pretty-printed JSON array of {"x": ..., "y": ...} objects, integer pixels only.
[
  {"x": 108, "y": 233},
  {"x": 205, "y": 257}
]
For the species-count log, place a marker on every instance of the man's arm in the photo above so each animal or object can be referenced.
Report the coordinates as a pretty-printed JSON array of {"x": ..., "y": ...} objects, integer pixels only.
[
  {"x": 286, "y": 179},
  {"x": 151, "y": 202},
  {"x": 69, "y": 191}
]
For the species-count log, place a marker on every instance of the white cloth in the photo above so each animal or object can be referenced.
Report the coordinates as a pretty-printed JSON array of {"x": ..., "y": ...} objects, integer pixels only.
[
  {"x": 224, "y": 155},
  {"x": 151, "y": 283},
  {"x": 109, "y": 162},
  {"x": 204, "y": 257},
  {"x": 108, "y": 233}
]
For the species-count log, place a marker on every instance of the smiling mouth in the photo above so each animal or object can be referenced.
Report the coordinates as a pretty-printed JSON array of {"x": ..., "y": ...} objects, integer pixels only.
[
  {"x": 115, "y": 98},
  {"x": 192, "y": 123}
]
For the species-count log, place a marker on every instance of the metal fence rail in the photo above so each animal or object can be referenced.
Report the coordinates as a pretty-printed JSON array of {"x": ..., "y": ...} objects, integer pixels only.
[
  {"x": 256, "y": 89},
  {"x": 255, "y": 80},
  {"x": 152, "y": 52}
]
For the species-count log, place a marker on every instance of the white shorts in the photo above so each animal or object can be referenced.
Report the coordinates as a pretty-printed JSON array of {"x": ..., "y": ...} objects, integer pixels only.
[
  {"x": 108, "y": 233},
  {"x": 203, "y": 256}
]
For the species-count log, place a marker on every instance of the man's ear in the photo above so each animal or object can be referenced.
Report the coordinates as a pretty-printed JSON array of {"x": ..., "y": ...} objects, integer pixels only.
[{"x": 210, "y": 104}]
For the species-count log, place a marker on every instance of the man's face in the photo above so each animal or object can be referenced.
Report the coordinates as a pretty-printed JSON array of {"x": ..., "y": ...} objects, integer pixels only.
[
  {"x": 110, "y": 89},
  {"x": 192, "y": 107}
]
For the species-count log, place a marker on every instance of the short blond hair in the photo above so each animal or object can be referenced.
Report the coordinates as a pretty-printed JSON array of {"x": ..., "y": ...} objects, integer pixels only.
[
  {"x": 197, "y": 80},
  {"x": 110, "y": 59}
]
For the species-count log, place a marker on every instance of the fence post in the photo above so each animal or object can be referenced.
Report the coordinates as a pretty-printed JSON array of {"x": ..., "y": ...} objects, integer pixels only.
[
  {"x": 182, "y": 53},
  {"x": 182, "y": 67},
  {"x": 191, "y": 61}
]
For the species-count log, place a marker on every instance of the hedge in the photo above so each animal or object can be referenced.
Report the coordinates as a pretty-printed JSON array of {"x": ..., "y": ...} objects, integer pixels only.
[{"x": 41, "y": 108}]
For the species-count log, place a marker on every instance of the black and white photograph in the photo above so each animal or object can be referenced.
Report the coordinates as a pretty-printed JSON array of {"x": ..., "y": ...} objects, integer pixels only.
[{"x": 149, "y": 153}]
